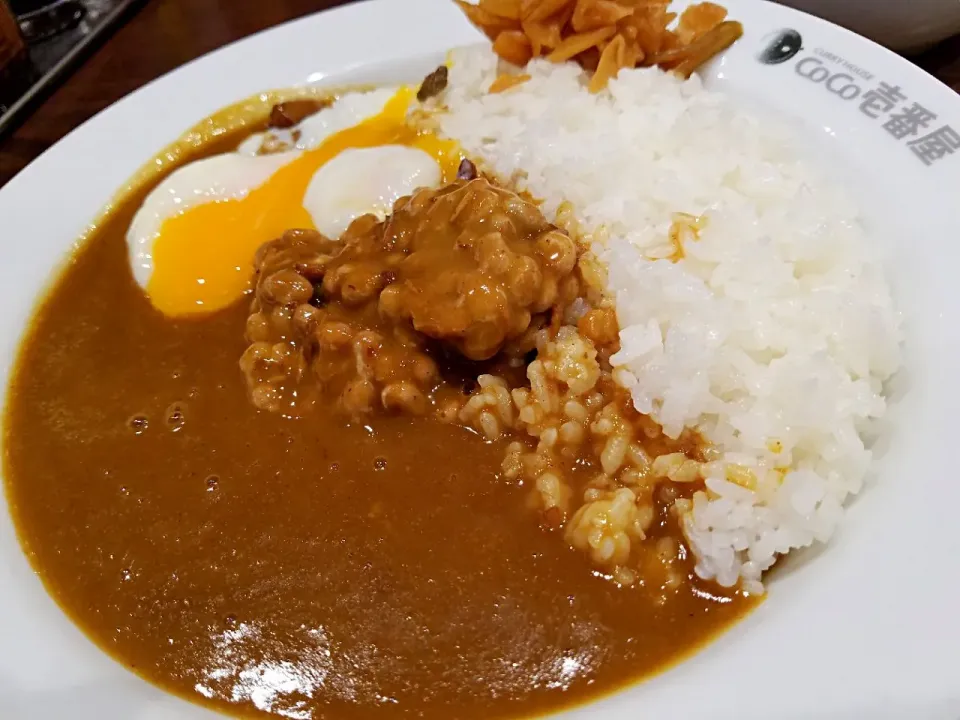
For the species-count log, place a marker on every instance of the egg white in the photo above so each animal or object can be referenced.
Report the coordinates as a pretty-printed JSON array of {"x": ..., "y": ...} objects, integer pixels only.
[{"x": 366, "y": 180}]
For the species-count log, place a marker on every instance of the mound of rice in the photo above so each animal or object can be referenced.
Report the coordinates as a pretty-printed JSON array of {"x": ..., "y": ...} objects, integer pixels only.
[{"x": 769, "y": 328}]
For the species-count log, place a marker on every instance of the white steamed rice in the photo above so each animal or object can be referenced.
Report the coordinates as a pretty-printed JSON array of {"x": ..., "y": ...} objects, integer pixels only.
[{"x": 772, "y": 336}]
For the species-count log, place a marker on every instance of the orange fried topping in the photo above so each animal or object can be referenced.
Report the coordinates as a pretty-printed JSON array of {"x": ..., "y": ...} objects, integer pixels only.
[{"x": 603, "y": 36}]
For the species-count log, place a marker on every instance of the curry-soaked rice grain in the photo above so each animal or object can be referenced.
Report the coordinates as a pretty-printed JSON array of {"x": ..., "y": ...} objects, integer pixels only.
[{"x": 574, "y": 416}]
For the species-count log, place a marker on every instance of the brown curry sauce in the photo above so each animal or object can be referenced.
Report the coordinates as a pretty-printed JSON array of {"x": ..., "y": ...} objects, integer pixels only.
[{"x": 309, "y": 568}]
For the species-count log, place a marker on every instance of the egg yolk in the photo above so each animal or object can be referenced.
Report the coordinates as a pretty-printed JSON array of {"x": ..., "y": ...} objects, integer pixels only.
[{"x": 203, "y": 258}]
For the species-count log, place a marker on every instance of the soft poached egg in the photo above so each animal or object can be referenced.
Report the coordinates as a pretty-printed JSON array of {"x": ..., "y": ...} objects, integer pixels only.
[
  {"x": 193, "y": 240},
  {"x": 366, "y": 180}
]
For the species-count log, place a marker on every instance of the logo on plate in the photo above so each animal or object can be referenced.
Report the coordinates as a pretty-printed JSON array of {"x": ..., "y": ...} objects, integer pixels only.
[{"x": 779, "y": 46}]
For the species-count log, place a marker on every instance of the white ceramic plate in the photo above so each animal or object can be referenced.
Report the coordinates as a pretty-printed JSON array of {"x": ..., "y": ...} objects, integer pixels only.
[{"x": 867, "y": 629}]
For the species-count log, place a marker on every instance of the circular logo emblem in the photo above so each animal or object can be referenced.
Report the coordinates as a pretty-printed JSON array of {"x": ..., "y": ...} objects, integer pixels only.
[{"x": 779, "y": 46}]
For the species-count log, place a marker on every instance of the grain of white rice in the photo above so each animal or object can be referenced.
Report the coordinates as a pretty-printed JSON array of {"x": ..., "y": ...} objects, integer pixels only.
[{"x": 774, "y": 333}]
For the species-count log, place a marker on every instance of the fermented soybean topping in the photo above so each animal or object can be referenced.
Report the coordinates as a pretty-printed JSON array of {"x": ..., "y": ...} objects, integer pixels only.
[
  {"x": 467, "y": 170},
  {"x": 291, "y": 112},
  {"x": 471, "y": 266},
  {"x": 311, "y": 568},
  {"x": 433, "y": 84}
]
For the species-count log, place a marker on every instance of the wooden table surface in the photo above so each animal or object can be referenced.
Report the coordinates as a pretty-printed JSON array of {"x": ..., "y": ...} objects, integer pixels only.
[{"x": 165, "y": 34}]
